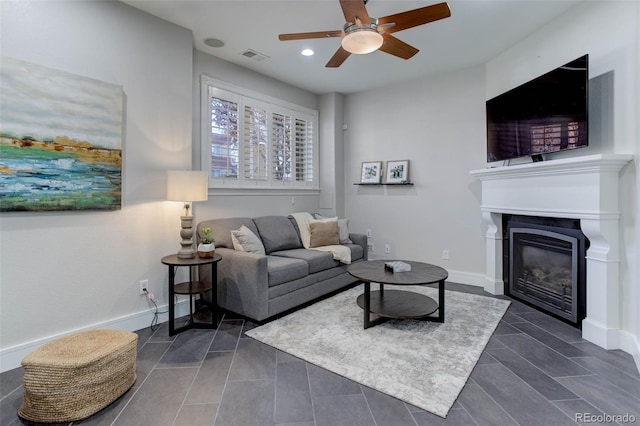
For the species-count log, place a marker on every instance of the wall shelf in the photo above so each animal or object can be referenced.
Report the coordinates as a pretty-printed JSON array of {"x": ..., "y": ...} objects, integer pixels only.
[{"x": 385, "y": 184}]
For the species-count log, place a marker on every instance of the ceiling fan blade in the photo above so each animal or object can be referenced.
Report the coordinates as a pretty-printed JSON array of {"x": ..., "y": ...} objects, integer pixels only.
[
  {"x": 305, "y": 36},
  {"x": 353, "y": 9},
  {"x": 415, "y": 17},
  {"x": 338, "y": 58},
  {"x": 397, "y": 47}
]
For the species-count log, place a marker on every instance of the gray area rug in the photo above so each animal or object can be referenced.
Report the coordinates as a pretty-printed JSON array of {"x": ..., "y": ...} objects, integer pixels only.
[{"x": 423, "y": 363}]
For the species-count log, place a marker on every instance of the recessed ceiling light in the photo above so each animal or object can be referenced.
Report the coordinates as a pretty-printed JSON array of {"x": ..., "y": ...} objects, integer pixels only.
[
  {"x": 213, "y": 42},
  {"x": 308, "y": 52}
]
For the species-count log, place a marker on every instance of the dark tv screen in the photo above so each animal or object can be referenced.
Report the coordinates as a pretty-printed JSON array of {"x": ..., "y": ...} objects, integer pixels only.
[{"x": 547, "y": 114}]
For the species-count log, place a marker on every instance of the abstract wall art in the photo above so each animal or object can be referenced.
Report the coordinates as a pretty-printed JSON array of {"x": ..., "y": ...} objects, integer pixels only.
[{"x": 60, "y": 140}]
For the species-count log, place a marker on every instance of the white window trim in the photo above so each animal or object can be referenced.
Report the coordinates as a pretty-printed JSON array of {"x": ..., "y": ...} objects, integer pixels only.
[{"x": 270, "y": 186}]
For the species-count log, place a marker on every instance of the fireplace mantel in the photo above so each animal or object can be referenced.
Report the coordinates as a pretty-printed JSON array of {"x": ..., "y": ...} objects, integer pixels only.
[{"x": 584, "y": 188}]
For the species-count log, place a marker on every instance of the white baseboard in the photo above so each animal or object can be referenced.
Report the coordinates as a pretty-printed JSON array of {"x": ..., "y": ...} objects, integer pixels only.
[
  {"x": 468, "y": 278},
  {"x": 11, "y": 357},
  {"x": 596, "y": 332},
  {"x": 631, "y": 345}
]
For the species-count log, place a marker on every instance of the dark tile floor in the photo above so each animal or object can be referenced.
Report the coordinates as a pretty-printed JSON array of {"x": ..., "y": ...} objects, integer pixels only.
[{"x": 534, "y": 371}]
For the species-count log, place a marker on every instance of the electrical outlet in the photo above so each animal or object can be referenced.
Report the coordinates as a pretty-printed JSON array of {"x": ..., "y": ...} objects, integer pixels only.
[
  {"x": 445, "y": 254},
  {"x": 144, "y": 284},
  {"x": 387, "y": 248},
  {"x": 370, "y": 247}
]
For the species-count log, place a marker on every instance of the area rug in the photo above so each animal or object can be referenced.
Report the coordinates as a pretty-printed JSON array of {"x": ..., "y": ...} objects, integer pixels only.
[{"x": 423, "y": 363}]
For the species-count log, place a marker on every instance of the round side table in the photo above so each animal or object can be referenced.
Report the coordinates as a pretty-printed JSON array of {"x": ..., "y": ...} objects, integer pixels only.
[{"x": 192, "y": 288}]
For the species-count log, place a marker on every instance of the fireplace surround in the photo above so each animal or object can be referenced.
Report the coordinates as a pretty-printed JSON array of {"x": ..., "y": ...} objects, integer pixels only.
[{"x": 583, "y": 188}]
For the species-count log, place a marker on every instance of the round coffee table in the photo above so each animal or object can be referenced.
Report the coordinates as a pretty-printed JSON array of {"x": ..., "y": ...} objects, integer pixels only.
[{"x": 399, "y": 303}]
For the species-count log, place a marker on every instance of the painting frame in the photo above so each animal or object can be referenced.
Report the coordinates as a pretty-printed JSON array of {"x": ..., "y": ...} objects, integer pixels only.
[
  {"x": 371, "y": 172},
  {"x": 397, "y": 172}
]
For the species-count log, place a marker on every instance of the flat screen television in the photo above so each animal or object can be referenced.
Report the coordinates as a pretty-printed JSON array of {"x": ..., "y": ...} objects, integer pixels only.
[{"x": 546, "y": 114}]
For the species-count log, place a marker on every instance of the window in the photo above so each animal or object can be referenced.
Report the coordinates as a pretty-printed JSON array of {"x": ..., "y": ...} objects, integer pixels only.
[
  {"x": 554, "y": 137},
  {"x": 252, "y": 141}
]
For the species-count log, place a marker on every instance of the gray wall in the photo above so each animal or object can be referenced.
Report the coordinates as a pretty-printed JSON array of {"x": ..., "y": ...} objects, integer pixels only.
[
  {"x": 64, "y": 271},
  {"x": 438, "y": 124},
  {"x": 229, "y": 203}
]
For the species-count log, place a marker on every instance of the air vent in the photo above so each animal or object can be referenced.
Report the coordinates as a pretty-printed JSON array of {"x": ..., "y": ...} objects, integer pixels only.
[{"x": 252, "y": 54}]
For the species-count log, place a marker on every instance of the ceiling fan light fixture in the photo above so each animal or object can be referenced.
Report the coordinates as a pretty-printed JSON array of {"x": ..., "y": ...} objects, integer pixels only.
[{"x": 361, "y": 41}]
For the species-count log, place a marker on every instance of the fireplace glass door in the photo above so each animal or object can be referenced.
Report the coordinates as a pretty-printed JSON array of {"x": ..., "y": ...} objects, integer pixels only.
[{"x": 544, "y": 270}]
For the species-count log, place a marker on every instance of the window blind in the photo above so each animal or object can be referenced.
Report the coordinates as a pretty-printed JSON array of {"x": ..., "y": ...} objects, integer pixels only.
[
  {"x": 257, "y": 143},
  {"x": 224, "y": 138}
]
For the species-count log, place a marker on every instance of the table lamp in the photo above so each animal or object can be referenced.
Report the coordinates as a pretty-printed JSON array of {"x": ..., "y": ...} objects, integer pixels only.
[{"x": 186, "y": 186}]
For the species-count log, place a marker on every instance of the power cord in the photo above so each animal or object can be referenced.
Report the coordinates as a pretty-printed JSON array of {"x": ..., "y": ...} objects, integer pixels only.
[{"x": 154, "y": 322}]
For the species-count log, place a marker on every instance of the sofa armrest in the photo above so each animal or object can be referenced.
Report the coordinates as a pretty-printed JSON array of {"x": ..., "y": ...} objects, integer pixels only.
[
  {"x": 361, "y": 240},
  {"x": 243, "y": 285}
]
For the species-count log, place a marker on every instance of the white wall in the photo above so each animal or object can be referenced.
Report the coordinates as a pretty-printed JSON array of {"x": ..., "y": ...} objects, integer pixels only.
[
  {"x": 63, "y": 271},
  {"x": 331, "y": 201},
  {"x": 609, "y": 33},
  {"x": 438, "y": 124},
  {"x": 230, "y": 203},
  {"x": 51, "y": 284},
  {"x": 633, "y": 250}
]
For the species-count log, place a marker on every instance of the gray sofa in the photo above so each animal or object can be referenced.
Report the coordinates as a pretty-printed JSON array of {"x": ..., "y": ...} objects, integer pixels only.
[{"x": 288, "y": 275}]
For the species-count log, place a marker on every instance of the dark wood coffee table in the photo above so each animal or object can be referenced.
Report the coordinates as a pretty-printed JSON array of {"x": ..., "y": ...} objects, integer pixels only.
[{"x": 398, "y": 303}]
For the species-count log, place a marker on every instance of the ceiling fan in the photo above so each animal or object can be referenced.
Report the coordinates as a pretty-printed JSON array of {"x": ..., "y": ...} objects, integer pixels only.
[{"x": 362, "y": 34}]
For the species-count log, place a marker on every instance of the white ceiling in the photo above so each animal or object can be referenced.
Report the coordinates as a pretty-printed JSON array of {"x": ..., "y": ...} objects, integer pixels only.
[{"x": 476, "y": 31}]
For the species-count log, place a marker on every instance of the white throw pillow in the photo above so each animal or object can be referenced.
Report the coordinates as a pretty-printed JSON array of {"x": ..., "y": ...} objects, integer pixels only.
[{"x": 245, "y": 240}]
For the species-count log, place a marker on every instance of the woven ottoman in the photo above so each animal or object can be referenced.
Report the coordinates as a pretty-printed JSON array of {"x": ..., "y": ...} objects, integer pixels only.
[{"x": 75, "y": 376}]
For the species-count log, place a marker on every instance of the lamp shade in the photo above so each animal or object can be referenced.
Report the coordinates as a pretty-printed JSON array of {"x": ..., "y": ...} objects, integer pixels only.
[
  {"x": 187, "y": 185},
  {"x": 362, "y": 41}
]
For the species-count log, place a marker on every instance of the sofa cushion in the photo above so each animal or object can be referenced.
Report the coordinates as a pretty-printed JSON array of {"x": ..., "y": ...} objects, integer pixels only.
[
  {"x": 317, "y": 260},
  {"x": 277, "y": 233},
  {"x": 282, "y": 269},
  {"x": 323, "y": 233},
  {"x": 311, "y": 280},
  {"x": 221, "y": 229},
  {"x": 245, "y": 240}
]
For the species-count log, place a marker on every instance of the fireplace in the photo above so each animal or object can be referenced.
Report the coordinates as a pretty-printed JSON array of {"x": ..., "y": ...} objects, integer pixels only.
[
  {"x": 545, "y": 265},
  {"x": 584, "y": 188}
]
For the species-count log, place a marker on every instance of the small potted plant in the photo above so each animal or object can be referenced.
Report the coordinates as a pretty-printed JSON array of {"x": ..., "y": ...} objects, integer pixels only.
[{"x": 206, "y": 248}]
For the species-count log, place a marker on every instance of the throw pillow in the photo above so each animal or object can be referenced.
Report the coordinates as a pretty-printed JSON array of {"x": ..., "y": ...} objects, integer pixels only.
[
  {"x": 245, "y": 240},
  {"x": 324, "y": 233},
  {"x": 277, "y": 233},
  {"x": 343, "y": 225}
]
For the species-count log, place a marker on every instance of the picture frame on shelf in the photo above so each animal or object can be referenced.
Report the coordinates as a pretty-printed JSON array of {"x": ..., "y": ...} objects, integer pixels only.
[
  {"x": 371, "y": 172},
  {"x": 397, "y": 172}
]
